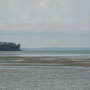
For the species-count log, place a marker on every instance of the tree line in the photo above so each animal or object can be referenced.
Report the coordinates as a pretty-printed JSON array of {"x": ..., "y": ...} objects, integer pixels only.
[{"x": 9, "y": 46}]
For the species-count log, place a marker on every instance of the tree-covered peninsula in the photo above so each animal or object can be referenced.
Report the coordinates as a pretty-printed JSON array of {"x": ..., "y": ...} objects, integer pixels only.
[{"x": 9, "y": 46}]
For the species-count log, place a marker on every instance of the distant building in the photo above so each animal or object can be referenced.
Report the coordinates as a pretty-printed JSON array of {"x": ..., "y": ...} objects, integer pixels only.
[{"x": 9, "y": 46}]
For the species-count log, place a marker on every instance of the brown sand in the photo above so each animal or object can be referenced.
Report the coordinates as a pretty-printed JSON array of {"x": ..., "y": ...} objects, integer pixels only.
[{"x": 8, "y": 60}]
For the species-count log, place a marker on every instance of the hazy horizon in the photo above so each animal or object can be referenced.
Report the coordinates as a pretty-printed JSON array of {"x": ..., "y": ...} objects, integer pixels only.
[{"x": 45, "y": 23}]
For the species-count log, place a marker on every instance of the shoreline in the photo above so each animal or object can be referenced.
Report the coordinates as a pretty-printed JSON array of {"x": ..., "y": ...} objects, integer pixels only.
[{"x": 43, "y": 61}]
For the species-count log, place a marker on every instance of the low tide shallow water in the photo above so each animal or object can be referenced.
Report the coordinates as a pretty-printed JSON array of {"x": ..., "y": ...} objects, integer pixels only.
[
  {"x": 44, "y": 78},
  {"x": 62, "y": 54}
]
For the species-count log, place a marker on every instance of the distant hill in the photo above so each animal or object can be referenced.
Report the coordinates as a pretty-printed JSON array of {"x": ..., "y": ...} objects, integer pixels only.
[{"x": 53, "y": 49}]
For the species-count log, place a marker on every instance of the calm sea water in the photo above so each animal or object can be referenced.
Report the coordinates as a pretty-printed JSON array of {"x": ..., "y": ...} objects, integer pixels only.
[{"x": 62, "y": 54}]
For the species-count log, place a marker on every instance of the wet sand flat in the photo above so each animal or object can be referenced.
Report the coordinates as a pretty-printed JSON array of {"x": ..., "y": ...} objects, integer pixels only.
[
  {"x": 29, "y": 61},
  {"x": 44, "y": 73},
  {"x": 44, "y": 78}
]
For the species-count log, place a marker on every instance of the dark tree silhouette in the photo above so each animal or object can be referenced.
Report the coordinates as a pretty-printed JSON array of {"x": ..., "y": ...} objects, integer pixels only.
[{"x": 9, "y": 46}]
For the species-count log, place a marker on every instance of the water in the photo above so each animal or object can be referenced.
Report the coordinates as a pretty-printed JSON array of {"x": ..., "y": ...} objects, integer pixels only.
[{"x": 62, "y": 54}]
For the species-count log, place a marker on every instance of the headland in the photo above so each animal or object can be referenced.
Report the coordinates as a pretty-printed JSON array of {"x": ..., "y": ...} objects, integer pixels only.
[{"x": 9, "y": 46}]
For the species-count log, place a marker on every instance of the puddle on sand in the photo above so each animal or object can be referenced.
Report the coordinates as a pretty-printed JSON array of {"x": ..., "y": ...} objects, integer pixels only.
[{"x": 18, "y": 60}]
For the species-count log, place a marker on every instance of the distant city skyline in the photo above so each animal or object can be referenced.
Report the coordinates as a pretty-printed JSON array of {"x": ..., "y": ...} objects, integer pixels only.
[{"x": 45, "y": 23}]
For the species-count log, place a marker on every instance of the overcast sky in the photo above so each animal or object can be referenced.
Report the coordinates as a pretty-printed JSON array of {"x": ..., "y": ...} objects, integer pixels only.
[{"x": 45, "y": 23}]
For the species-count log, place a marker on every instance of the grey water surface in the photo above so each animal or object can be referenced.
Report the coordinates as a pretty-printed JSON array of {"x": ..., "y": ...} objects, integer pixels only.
[{"x": 80, "y": 54}]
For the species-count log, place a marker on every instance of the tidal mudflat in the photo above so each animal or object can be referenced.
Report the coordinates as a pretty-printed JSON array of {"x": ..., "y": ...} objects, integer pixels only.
[
  {"x": 44, "y": 73},
  {"x": 44, "y": 78},
  {"x": 28, "y": 61}
]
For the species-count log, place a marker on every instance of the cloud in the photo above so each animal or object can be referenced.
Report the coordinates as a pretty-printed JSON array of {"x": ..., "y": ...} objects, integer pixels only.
[
  {"x": 45, "y": 15},
  {"x": 41, "y": 4},
  {"x": 64, "y": 3}
]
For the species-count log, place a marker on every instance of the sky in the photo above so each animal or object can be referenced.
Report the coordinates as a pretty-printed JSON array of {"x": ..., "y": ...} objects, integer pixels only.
[{"x": 45, "y": 23}]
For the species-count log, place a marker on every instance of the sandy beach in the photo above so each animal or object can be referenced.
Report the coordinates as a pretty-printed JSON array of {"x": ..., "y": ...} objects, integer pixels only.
[
  {"x": 29, "y": 61},
  {"x": 44, "y": 78},
  {"x": 44, "y": 73}
]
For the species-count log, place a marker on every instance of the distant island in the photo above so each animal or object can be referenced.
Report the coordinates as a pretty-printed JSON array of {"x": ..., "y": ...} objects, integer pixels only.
[{"x": 9, "y": 46}]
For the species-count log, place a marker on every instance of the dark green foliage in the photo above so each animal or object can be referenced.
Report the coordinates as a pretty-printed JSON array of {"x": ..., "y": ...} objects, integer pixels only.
[{"x": 9, "y": 46}]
